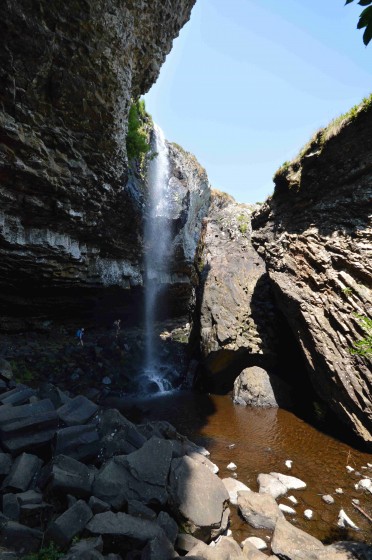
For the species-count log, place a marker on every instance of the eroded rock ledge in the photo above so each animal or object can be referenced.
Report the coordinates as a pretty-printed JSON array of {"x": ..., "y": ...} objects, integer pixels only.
[
  {"x": 71, "y": 216},
  {"x": 315, "y": 237}
]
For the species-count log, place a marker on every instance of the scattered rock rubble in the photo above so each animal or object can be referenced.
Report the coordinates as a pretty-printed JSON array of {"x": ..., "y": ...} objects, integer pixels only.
[{"x": 97, "y": 486}]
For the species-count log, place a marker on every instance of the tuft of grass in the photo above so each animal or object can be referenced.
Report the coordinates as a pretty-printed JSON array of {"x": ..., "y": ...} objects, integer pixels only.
[
  {"x": 46, "y": 553},
  {"x": 323, "y": 135},
  {"x": 243, "y": 223},
  {"x": 363, "y": 347}
]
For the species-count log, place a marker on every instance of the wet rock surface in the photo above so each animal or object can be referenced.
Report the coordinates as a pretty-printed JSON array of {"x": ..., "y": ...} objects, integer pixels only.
[{"x": 314, "y": 235}]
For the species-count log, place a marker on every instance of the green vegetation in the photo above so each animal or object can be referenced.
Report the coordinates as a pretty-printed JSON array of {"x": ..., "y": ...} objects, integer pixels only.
[
  {"x": 48, "y": 553},
  {"x": 137, "y": 139},
  {"x": 347, "y": 291},
  {"x": 363, "y": 347},
  {"x": 365, "y": 19},
  {"x": 21, "y": 372},
  {"x": 243, "y": 223}
]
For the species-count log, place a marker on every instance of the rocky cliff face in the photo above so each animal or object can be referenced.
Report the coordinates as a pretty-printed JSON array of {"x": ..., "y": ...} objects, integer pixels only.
[
  {"x": 237, "y": 318},
  {"x": 71, "y": 215},
  {"x": 315, "y": 237}
]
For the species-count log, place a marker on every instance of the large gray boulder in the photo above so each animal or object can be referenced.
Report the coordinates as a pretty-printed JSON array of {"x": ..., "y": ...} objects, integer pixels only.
[
  {"x": 19, "y": 537},
  {"x": 68, "y": 476},
  {"x": 269, "y": 484},
  {"x": 293, "y": 543},
  {"x": 189, "y": 485},
  {"x": 127, "y": 532},
  {"x": 259, "y": 510},
  {"x": 225, "y": 549},
  {"x": 69, "y": 524},
  {"x": 256, "y": 387},
  {"x": 22, "y": 473},
  {"x": 77, "y": 411}
]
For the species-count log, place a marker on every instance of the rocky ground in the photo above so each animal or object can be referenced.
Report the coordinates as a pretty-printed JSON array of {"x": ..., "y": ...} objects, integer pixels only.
[
  {"x": 81, "y": 482},
  {"x": 107, "y": 360}
]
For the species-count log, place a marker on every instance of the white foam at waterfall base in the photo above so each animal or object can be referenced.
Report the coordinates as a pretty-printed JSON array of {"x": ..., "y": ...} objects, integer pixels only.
[{"x": 156, "y": 377}]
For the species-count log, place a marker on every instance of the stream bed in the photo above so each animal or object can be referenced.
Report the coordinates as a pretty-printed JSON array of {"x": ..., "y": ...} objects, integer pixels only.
[{"x": 260, "y": 441}]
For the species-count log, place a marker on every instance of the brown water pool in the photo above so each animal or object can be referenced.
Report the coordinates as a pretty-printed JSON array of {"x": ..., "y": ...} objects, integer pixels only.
[{"x": 260, "y": 441}]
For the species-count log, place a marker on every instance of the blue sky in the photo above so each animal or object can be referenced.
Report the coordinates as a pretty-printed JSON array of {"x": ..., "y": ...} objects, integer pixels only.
[{"x": 249, "y": 81}]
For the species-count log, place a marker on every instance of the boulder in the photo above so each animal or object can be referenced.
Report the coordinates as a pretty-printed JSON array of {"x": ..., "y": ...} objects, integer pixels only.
[
  {"x": 29, "y": 432},
  {"x": 269, "y": 484},
  {"x": 189, "y": 481},
  {"x": 22, "y": 473},
  {"x": 293, "y": 543},
  {"x": 97, "y": 505},
  {"x": 5, "y": 464},
  {"x": 256, "y": 387},
  {"x": 20, "y": 538},
  {"x": 138, "y": 509},
  {"x": 118, "y": 435},
  {"x": 186, "y": 542},
  {"x": 13, "y": 413},
  {"x": 77, "y": 411},
  {"x": 226, "y": 549},
  {"x": 29, "y": 497},
  {"x": 203, "y": 460},
  {"x": 168, "y": 525},
  {"x": 63, "y": 529},
  {"x": 151, "y": 463},
  {"x": 251, "y": 552},
  {"x": 66, "y": 475},
  {"x": 115, "y": 485},
  {"x": 158, "y": 548},
  {"x": 290, "y": 482},
  {"x": 11, "y": 507},
  {"x": 72, "y": 439},
  {"x": 233, "y": 486},
  {"x": 259, "y": 510},
  {"x": 6, "y": 371},
  {"x": 17, "y": 396},
  {"x": 127, "y": 532}
]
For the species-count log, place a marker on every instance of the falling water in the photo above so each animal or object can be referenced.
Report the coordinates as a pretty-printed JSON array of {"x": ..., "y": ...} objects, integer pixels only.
[{"x": 158, "y": 252}]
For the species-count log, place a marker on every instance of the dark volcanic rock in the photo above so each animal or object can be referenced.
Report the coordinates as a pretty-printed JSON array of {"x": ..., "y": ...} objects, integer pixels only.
[
  {"x": 22, "y": 473},
  {"x": 70, "y": 217},
  {"x": 66, "y": 475},
  {"x": 20, "y": 538},
  {"x": 314, "y": 234},
  {"x": 127, "y": 531},
  {"x": 77, "y": 411},
  {"x": 69, "y": 524},
  {"x": 237, "y": 324}
]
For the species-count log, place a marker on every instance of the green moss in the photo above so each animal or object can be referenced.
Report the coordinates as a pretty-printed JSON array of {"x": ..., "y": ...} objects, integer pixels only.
[{"x": 137, "y": 139}]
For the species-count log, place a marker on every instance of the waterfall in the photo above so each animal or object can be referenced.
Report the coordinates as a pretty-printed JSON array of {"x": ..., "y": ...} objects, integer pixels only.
[{"x": 158, "y": 253}]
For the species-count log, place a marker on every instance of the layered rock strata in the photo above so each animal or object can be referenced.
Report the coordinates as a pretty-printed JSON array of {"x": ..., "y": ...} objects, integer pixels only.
[
  {"x": 314, "y": 235},
  {"x": 71, "y": 215},
  {"x": 235, "y": 322}
]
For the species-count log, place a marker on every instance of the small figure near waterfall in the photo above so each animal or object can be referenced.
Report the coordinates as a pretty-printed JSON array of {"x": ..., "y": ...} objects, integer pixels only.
[
  {"x": 117, "y": 327},
  {"x": 79, "y": 335}
]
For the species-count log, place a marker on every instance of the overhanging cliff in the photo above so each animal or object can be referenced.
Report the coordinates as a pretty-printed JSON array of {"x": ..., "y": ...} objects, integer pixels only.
[
  {"x": 71, "y": 216},
  {"x": 315, "y": 236}
]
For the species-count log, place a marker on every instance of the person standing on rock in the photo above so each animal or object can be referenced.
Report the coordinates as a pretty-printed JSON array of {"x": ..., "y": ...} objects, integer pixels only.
[
  {"x": 80, "y": 334},
  {"x": 117, "y": 327}
]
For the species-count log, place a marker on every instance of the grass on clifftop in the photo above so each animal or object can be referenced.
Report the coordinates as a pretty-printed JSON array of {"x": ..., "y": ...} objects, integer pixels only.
[{"x": 322, "y": 136}]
